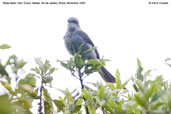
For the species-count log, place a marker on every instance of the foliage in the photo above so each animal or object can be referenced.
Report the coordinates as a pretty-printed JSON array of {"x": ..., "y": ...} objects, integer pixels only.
[
  {"x": 151, "y": 96},
  {"x": 44, "y": 71},
  {"x": 19, "y": 98},
  {"x": 4, "y": 46}
]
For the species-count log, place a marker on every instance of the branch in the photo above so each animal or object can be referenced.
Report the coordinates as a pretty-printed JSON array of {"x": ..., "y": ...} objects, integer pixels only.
[
  {"x": 82, "y": 86},
  {"x": 40, "y": 103},
  {"x": 41, "y": 97}
]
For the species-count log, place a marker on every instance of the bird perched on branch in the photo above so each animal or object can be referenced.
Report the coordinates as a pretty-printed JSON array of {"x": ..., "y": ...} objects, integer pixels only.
[{"x": 78, "y": 37}]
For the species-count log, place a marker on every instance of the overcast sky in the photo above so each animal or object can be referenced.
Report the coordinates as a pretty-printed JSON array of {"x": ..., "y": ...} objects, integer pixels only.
[{"x": 123, "y": 30}]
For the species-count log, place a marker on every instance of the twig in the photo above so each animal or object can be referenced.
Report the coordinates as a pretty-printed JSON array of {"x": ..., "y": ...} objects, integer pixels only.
[
  {"x": 82, "y": 86},
  {"x": 41, "y": 97}
]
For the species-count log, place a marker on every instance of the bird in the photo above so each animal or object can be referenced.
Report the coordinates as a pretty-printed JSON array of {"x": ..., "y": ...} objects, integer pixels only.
[{"x": 78, "y": 38}]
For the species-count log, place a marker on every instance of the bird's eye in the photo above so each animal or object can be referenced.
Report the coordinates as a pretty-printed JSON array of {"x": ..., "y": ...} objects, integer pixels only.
[{"x": 73, "y": 21}]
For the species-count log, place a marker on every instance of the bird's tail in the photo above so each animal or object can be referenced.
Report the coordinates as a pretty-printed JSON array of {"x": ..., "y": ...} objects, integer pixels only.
[{"x": 106, "y": 75}]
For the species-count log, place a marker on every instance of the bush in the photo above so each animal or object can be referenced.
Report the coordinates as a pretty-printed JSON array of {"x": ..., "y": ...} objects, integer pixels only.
[{"x": 150, "y": 96}]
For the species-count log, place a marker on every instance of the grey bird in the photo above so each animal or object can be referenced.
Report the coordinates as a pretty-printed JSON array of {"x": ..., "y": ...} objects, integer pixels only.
[{"x": 78, "y": 37}]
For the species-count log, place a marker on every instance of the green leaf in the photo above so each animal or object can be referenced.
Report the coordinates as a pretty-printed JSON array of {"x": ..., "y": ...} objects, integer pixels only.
[
  {"x": 85, "y": 93},
  {"x": 29, "y": 79},
  {"x": 60, "y": 106},
  {"x": 157, "y": 95},
  {"x": 139, "y": 71},
  {"x": 139, "y": 99},
  {"x": 11, "y": 60},
  {"x": 21, "y": 64},
  {"x": 109, "y": 108},
  {"x": 78, "y": 61},
  {"x": 79, "y": 102},
  {"x": 147, "y": 73},
  {"x": 69, "y": 97},
  {"x": 5, "y": 105},
  {"x": 89, "y": 50},
  {"x": 125, "y": 83},
  {"x": 30, "y": 89},
  {"x": 25, "y": 102},
  {"x": 4, "y": 46},
  {"x": 158, "y": 104},
  {"x": 6, "y": 85},
  {"x": 48, "y": 100},
  {"x": 47, "y": 79},
  {"x": 77, "y": 109},
  {"x": 37, "y": 70},
  {"x": 139, "y": 62},
  {"x": 47, "y": 108},
  {"x": 111, "y": 85},
  {"x": 140, "y": 85},
  {"x": 119, "y": 107},
  {"x": 40, "y": 63},
  {"x": 93, "y": 65},
  {"x": 92, "y": 110},
  {"x": 46, "y": 66},
  {"x": 149, "y": 92},
  {"x": 71, "y": 45},
  {"x": 159, "y": 78},
  {"x": 3, "y": 71},
  {"x": 118, "y": 80},
  {"x": 52, "y": 70},
  {"x": 101, "y": 91},
  {"x": 63, "y": 64},
  {"x": 15, "y": 63},
  {"x": 93, "y": 62},
  {"x": 135, "y": 87},
  {"x": 80, "y": 48}
]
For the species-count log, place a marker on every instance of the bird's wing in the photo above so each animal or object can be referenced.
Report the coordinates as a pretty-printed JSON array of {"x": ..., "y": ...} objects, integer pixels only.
[{"x": 86, "y": 38}]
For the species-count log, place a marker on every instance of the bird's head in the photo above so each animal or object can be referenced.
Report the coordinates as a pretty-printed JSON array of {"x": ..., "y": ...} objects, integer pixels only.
[{"x": 73, "y": 24}]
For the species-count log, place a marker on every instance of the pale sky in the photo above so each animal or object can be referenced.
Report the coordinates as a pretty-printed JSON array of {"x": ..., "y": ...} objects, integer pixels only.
[{"x": 123, "y": 30}]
